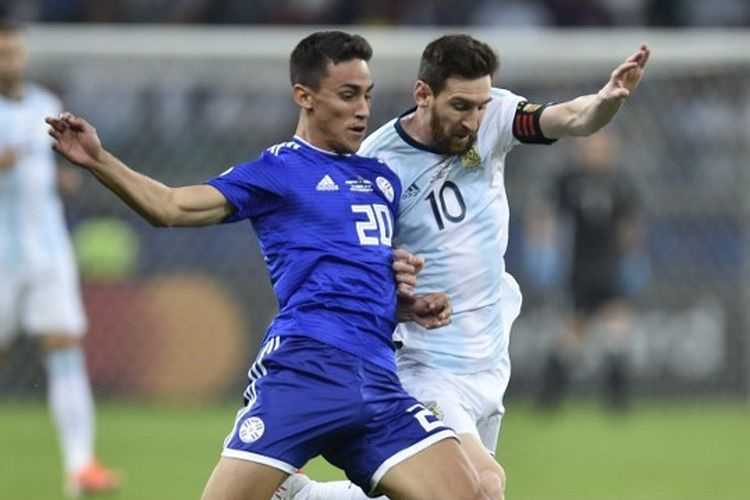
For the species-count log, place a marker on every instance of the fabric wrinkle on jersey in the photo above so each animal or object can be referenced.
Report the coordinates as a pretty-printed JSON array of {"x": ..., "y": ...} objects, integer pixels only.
[
  {"x": 324, "y": 223},
  {"x": 454, "y": 212}
]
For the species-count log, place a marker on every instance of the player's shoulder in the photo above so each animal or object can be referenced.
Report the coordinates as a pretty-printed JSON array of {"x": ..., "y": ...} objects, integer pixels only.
[
  {"x": 384, "y": 138},
  {"x": 42, "y": 97},
  {"x": 504, "y": 97}
]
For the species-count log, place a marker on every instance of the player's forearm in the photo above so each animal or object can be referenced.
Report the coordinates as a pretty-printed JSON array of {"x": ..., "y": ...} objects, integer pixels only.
[
  {"x": 581, "y": 116},
  {"x": 151, "y": 199}
]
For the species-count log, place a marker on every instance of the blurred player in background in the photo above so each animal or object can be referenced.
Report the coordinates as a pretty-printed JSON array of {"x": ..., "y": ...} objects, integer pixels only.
[
  {"x": 449, "y": 153},
  {"x": 600, "y": 204},
  {"x": 325, "y": 380},
  {"x": 39, "y": 290}
]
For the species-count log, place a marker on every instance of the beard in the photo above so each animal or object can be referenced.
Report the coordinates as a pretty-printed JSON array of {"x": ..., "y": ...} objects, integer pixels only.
[{"x": 449, "y": 144}]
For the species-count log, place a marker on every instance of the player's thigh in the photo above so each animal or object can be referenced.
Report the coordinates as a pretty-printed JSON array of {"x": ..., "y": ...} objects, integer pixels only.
[
  {"x": 52, "y": 305},
  {"x": 441, "y": 471},
  {"x": 236, "y": 479},
  {"x": 492, "y": 475}
]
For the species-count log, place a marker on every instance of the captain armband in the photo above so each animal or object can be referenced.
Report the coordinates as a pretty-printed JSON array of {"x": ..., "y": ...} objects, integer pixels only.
[{"x": 526, "y": 126}]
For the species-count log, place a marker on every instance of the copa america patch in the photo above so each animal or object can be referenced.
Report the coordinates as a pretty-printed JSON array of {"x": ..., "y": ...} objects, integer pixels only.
[
  {"x": 385, "y": 187},
  {"x": 251, "y": 429}
]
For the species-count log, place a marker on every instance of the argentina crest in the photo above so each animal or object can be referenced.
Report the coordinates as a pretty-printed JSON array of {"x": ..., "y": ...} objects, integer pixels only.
[{"x": 471, "y": 158}]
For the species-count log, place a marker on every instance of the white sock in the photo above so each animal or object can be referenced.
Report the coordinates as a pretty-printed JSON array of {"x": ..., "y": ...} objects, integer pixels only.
[
  {"x": 72, "y": 406},
  {"x": 332, "y": 490}
]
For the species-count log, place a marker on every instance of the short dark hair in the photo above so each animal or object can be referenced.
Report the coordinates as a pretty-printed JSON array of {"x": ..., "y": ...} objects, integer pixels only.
[
  {"x": 459, "y": 56},
  {"x": 309, "y": 60}
]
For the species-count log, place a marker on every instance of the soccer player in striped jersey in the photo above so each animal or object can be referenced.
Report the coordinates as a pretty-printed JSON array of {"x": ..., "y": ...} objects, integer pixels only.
[
  {"x": 324, "y": 382},
  {"x": 449, "y": 152},
  {"x": 39, "y": 289}
]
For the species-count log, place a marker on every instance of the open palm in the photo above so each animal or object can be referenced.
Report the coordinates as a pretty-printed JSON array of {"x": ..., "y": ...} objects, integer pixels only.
[{"x": 626, "y": 77}]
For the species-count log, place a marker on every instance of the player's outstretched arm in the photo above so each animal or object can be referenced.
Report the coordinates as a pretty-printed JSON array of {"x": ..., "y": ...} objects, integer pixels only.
[
  {"x": 586, "y": 114},
  {"x": 161, "y": 205}
]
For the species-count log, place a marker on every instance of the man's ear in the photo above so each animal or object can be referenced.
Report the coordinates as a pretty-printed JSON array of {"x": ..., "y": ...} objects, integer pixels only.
[
  {"x": 303, "y": 96},
  {"x": 422, "y": 94}
]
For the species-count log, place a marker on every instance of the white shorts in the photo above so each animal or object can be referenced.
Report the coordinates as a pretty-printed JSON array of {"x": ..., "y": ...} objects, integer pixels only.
[
  {"x": 470, "y": 404},
  {"x": 40, "y": 303}
]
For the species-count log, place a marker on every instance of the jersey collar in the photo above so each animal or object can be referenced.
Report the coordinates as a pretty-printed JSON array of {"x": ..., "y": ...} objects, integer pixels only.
[
  {"x": 409, "y": 139},
  {"x": 320, "y": 150}
]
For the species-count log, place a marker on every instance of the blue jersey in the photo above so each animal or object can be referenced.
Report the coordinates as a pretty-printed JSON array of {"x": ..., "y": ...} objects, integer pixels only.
[{"x": 324, "y": 222}]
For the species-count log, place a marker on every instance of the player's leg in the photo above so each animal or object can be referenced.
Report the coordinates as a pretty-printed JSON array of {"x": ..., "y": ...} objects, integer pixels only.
[
  {"x": 614, "y": 319},
  {"x": 53, "y": 312},
  {"x": 441, "y": 471},
  {"x": 237, "y": 479},
  {"x": 10, "y": 293},
  {"x": 297, "y": 408},
  {"x": 403, "y": 450},
  {"x": 471, "y": 405}
]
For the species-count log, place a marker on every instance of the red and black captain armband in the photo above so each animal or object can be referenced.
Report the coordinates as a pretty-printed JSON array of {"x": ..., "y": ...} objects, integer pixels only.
[{"x": 526, "y": 123}]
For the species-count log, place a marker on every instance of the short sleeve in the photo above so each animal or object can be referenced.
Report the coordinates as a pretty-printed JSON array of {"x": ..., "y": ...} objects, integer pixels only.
[{"x": 254, "y": 188}]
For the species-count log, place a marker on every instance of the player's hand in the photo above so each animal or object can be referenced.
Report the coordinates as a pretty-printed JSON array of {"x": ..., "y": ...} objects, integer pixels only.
[
  {"x": 75, "y": 139},
  {"x": 626, "y": 77},
  {"x": 7, "y": 159},
  {"x": 430, "y": 310},
  {"x": 406, "y": 266}
]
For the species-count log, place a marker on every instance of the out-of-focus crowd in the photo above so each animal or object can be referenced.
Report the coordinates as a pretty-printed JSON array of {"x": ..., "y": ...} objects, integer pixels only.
[{"x": 515, "y": 13}]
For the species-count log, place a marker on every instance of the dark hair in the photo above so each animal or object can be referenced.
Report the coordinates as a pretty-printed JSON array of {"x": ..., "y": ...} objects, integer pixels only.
[
  {"x": 459, "y": 56},
  {"x": 309, "y": 60}
]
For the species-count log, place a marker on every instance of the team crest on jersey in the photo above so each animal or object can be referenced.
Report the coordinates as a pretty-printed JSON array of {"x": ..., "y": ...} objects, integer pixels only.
[
  {"x": 251, "y": 429},
  {"x": 385, "y": 186},
  {"x": 434, "y": 408},
  {"x": 471, "y": 158},
  {"x": 359, "y": 185}
]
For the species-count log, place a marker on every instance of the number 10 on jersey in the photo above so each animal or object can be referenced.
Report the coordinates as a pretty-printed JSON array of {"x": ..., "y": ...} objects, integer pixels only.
[{"x": 378, "y": 228}]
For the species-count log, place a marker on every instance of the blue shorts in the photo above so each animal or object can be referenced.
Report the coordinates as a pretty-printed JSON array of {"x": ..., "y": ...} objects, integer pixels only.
[{"x": 306, "y": 398}]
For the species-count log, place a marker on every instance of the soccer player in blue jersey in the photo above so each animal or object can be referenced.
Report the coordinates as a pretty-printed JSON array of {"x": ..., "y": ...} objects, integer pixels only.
[
  {"x": 324, "y": 382},
  {"x": 449, "y": 152}
]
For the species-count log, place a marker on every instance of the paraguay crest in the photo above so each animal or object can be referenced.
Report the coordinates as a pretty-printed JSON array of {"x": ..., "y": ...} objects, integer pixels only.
[
  {"x": 251, "y": 429},
  {"x": 471, "y": 158}
]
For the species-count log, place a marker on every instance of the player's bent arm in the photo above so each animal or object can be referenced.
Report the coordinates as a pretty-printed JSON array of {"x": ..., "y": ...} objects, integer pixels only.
[
  {"x": 581, "y": 116},
  {"x": 159, "y": 204},
  {"x": 586, "y": 114}
]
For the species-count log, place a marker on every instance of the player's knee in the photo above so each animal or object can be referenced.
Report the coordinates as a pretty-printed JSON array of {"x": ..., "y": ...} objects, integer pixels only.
[{"x": 492, "y": 482}]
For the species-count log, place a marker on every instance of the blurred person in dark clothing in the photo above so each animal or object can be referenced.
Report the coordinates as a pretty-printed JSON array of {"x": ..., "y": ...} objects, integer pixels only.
[{"x": 600, "y": 205}]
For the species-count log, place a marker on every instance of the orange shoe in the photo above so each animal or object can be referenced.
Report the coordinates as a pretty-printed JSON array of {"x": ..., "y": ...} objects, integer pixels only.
[{"x": 91, "y": 480}]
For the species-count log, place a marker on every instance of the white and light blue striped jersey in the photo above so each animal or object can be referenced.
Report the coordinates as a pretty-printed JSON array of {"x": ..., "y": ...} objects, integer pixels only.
[
  {"x": 454, "y": 211},
  {"x": 33, "y": 235}
]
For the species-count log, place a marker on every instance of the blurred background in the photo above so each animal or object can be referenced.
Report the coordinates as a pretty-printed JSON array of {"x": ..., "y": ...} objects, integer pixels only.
[{"x": 183, "y": 89}]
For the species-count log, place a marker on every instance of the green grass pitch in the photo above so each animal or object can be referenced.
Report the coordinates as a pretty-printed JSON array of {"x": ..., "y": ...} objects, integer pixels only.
[{"x": 656, "y": 452}]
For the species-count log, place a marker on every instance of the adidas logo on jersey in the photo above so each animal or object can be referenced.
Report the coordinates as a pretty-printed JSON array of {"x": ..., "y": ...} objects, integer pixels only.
[
  {"x": 327, "y": 184},
  {"x": 411, "y": 191}
]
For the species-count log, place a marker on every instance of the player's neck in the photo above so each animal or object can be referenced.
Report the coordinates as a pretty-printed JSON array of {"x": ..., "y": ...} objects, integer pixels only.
[
  {"x": 417, "y": 125},
  {"x": 316, "y": 138}
]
